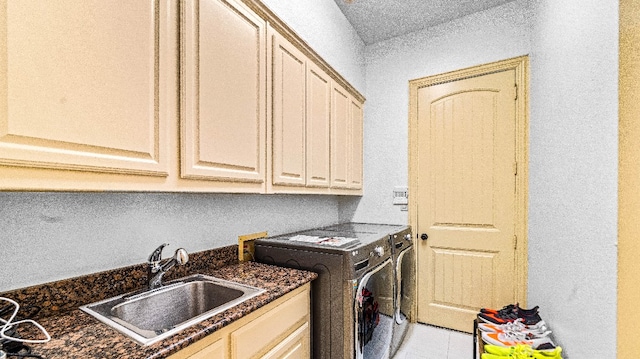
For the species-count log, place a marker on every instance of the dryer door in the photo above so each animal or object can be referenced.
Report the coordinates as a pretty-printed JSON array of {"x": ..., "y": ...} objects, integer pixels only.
[
  {"x": 374, "y": 312},
  {"x": 405, "y": 296},
  {"x": 406, "y": 283}
]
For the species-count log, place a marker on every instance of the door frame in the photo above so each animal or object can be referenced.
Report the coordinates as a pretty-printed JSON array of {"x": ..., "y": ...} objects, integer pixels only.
[{"x": 521, "y": 67}]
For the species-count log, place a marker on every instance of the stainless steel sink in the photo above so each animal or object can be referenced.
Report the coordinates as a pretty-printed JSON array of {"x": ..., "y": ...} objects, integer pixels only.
[{"x": 150, "y": 316}]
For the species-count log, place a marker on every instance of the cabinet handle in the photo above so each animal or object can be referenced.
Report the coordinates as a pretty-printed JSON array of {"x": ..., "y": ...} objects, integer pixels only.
[{"x": 424, "y": 236}]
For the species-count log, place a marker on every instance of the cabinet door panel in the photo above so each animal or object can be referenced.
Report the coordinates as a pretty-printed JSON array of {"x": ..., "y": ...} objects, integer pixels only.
[
  {"x": 295, "y": 346},
  {"x": 318, "y": 126},
  {"x": 288, "y": 113},
  {"x": 217, "y": 350},
  {"x": 223, "y": 98},
  {"x": 82, "y": 85},
  {"x": 340, "y": 127},
  {"x": 355, "y": 166},
  {"x": 261, "y": 333}
]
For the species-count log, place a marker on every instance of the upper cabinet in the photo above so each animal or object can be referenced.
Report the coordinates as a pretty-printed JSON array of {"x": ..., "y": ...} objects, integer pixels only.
[
  {"x": 161, "y": 95},
  {"x": 340, "y": 136},
  {"x": 83, "y": 86},
  {"x": 301, "y": 120},
  {"x": 288, "y": 113},
  {"x": 318, "y": 125},
  {"x": 355, "y": 143},
  {"x": 346, "y": 139},
  {"x": 223, "y": 97}
]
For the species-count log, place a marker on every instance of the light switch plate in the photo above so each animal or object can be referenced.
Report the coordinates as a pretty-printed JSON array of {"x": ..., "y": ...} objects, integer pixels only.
[{"x": 400, "y": 195}]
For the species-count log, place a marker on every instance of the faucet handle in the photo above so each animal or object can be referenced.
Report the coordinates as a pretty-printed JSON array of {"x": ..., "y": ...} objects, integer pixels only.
[
  {"x": 181, "y": 256},
  {"x": 156, "y": 256}
]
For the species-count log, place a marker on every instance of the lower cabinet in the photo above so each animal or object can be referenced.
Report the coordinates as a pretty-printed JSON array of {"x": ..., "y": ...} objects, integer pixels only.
[
  {"x": 295, "y": 346},
  {"x": 278, "y": 330},
  {"x": 215, "y": 350}
]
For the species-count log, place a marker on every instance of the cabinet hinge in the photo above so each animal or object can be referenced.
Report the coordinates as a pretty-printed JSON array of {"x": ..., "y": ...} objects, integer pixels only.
[
  {"x": 515, "y": 242},
  {"x": 515, "y": 168},
  {"x": 515, "y": 90}
]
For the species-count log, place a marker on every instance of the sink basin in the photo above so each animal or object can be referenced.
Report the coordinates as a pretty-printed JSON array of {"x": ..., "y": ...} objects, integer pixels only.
[{"x": 150, "y": 316}]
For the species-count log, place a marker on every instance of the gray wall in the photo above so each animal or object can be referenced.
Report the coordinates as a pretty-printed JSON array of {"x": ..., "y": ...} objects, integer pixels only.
[
  {"x": 573, "y": 146},
  {"x": 51, "y": 236},
  {"x": 492, "y": 35},
  {"x": 573, "y": 172}
]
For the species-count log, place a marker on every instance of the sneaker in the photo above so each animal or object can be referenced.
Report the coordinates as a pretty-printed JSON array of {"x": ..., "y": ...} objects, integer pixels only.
[
  {"x": 513, "y": 356},
  {"x": 531, "y": 319},
  {"x": 515, "y": 326},
  {"x": 512, "y": 339},
  {"x": 493, "y": 356},
  {"x": 516, "y": 355},
  {"x": 509, "y": 317},
  {"x": 497, "y": 318},
  {"x": 511, "y": 308},
  {"x": 503, "y": 352}
]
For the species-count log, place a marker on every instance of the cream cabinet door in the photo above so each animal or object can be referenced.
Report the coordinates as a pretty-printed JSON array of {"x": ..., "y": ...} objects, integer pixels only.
[
  {"x": 340, "y": 147},
  {"x": 295, "y": 346},
  {"x": 84, "y": 85},
  {"x": 318, "y": 127},
  {"x": 267, "y": 330},
  {"x": 355, "y": 139},
  {"x": 223, "y": 93},
  {"x": 466, "y": 201},
  {"x": 278, "y": 330},
  {"x": 301, "y": 127},
  {"x": 217, "y": 350},
  {"x": 288, "y": 127}
]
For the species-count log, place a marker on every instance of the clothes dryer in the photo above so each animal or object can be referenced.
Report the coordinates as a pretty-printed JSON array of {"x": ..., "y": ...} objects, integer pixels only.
[{"x": 404, "y": 261}]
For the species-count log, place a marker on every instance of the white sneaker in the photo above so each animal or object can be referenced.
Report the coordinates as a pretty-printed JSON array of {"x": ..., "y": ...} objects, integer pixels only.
[
  {"x": 511, "y": 339},
  {"x": 538, "y": 329}
]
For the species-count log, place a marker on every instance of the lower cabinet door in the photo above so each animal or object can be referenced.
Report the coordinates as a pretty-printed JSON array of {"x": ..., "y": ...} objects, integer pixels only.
[
  {"x": 295, "y": 346},
  {"x": 264, "y": 332},
  {"x": 217, "y": 350},
  {"x": 278, "y": 330}
]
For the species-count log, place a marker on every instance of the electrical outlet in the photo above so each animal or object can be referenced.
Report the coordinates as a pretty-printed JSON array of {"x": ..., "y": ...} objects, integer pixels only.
[{"x": 246, "y": 246}]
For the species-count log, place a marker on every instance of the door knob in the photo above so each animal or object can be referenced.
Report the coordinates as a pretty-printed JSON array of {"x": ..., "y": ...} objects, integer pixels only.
[{"x": 424, "y": 236}]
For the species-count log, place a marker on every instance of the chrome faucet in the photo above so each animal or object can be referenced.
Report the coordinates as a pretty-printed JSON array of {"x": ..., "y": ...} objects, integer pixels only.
[{"x": 157, "y": 269}]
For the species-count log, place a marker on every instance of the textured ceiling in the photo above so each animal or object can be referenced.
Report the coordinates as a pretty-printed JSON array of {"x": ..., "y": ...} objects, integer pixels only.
[{"x": 377, "y": 20}]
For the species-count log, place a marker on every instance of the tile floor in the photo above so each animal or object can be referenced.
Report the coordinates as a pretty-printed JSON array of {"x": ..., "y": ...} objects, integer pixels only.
[{"x": 427, "y": 342}]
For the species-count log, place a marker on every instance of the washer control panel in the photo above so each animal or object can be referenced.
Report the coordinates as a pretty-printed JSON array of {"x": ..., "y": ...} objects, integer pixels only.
[
  {"x": 401, "y": 240},
  {"x": 379, "y": 251}
]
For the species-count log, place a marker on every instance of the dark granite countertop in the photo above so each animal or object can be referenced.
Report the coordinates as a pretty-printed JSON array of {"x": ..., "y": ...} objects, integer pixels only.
[{"x": 76, "y": 334}]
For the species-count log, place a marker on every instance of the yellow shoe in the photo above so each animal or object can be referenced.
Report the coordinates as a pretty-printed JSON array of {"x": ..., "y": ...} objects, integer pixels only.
[
  {"x": 521, "y": 351},
  {"x": 492, "y": 356},
  {"x": 512, "y": 356}
]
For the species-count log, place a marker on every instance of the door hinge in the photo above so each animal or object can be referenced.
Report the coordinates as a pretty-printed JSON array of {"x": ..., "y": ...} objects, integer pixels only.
[
  {"x": 515, "y": 90},
  {"x": 515, "y": 242}
]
